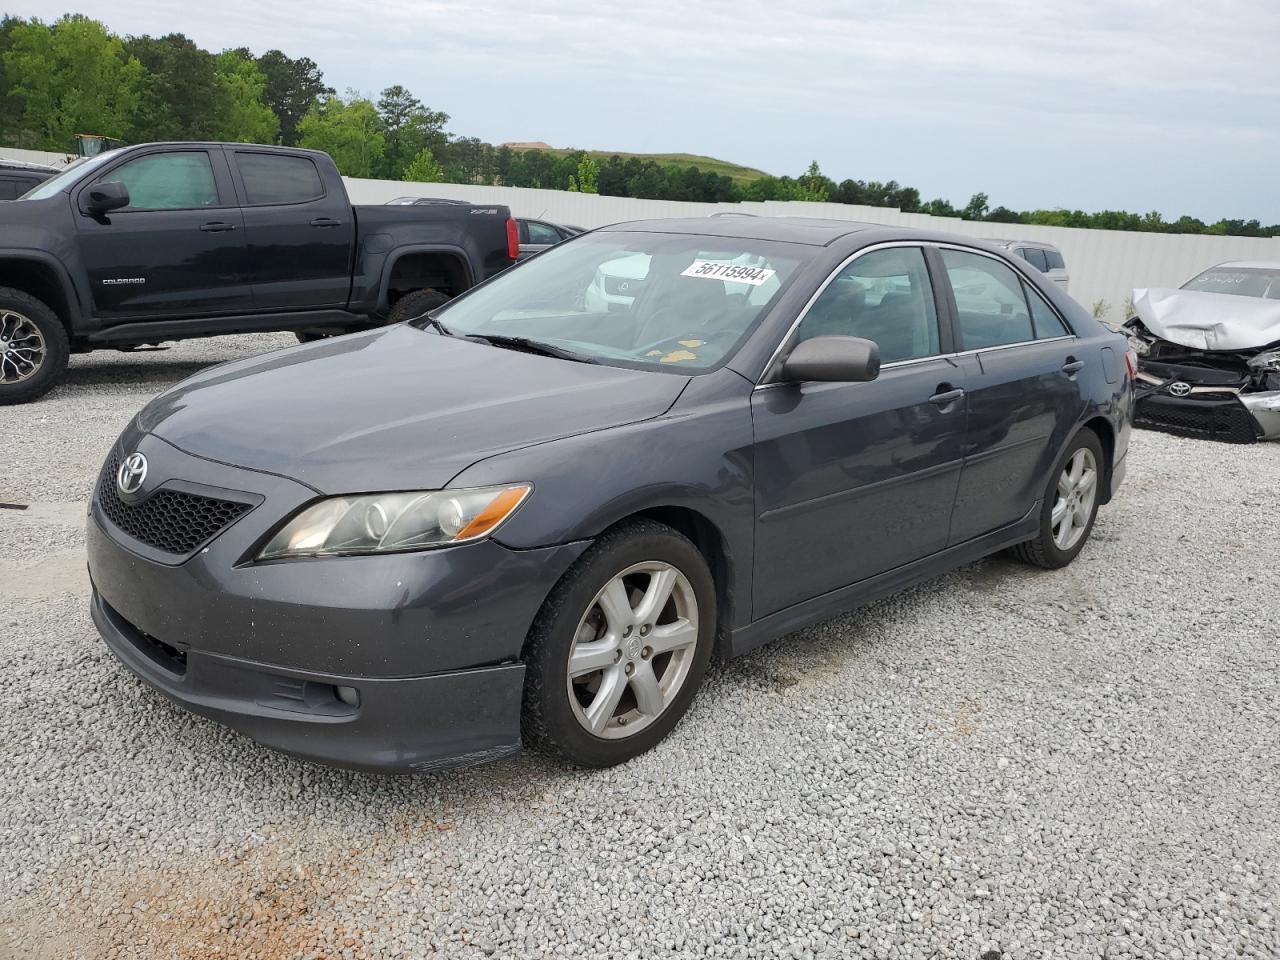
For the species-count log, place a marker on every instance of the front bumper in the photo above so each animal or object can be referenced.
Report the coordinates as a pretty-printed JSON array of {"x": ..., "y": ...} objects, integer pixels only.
[
  {"x": 430, "y": 641},
  {"x": 395, "y": 725},
  {"x": 1226, "y": 419}
]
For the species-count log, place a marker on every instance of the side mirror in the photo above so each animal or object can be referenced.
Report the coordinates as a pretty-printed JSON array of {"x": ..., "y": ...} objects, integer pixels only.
[
  {"x": 833, "y": 359},
  {"x": 105, "y": 197}
]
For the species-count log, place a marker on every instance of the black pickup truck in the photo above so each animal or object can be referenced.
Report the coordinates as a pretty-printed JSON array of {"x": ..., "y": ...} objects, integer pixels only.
[{"x": 167, "y": 241}]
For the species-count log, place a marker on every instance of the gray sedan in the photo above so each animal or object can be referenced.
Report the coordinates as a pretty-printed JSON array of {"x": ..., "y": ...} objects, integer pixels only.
[{"x": 528, "y": 517}]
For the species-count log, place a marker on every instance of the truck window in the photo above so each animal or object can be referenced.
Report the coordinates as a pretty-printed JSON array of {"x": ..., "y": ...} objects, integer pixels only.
[
  {"x": 167, "y": 181},
  {"x": 275, "y": 178}
]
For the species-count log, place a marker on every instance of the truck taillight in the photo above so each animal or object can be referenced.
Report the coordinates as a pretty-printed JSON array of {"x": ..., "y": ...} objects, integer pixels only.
[
  {"x": 1131, "y": 360},
  {"x": 513, "y": 239}
]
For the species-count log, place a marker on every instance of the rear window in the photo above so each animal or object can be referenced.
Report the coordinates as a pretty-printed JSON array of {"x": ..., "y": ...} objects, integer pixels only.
[
  {"x": 1035, "y": 257},
  {"x": 273, "y": 178}
]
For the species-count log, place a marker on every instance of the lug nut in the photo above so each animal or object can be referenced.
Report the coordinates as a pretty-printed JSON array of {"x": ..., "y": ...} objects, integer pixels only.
[
  {"x": 644, "y": 630},
  {"x": 646, "y": 653},
  {"x": 617, "y": 655},
  {"x": 626, "y": 632},
  {"x": 631, "y": 668}
]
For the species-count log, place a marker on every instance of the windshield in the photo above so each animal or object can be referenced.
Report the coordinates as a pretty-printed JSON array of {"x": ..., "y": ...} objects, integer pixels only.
[
  {"x": 1238, "y": 281},
  {"x": 649, "y": 300},
  {"x": 69, "y": 174}
]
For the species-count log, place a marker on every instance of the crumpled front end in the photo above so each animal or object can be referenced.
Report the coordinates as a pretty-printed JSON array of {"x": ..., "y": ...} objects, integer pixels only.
[{"x": 1231, "y": 396}]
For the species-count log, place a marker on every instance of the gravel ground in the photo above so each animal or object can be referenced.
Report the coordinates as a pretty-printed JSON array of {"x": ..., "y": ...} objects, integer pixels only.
[{"x": 1002, "y": 763}]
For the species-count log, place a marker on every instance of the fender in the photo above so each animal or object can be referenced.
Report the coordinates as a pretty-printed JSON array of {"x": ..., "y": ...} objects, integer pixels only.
[
  {"x": 72, "y": 309},
  {"x": 396, "y": 254}
]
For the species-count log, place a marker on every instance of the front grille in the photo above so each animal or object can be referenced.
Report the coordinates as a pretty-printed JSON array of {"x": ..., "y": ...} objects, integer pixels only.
[
  {"x": 1226, "y": 421},
  {"x": 169, "y": 520}
]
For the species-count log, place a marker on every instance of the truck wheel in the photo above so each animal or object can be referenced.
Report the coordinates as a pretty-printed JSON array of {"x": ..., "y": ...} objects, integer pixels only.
[
  {"x": 414, "y": 304},
  {"x": 33, "y": 347}
]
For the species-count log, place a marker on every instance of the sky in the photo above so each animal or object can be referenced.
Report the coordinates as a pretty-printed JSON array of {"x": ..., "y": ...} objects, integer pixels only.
[{"x": 1138, "y": 105}]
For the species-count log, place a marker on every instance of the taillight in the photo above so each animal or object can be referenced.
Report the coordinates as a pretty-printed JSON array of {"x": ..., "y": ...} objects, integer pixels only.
[
  {"x": 1131, "y": 360},
  {"x": 513, "y": 239}
]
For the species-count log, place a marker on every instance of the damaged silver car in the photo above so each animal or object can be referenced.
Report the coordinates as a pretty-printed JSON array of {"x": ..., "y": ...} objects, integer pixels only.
[{"x": 1209, "y": 354}]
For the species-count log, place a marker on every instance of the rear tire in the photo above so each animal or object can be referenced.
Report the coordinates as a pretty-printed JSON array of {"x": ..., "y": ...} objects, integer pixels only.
[
  {"x": 1070, "y": 505},
  {"x": 619, "y": 648},
  {"x": 33, "y": 347},
  {"x": 414, "y": 304}
]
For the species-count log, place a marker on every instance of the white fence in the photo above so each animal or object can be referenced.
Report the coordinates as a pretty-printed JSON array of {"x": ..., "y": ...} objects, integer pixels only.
[{"x": 1105, "y": 265}]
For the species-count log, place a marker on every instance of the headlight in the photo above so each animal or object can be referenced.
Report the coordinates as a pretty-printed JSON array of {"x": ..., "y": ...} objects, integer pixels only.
[
  {"x": 1269, "y": 362},
  {"x": 1137, "y": 343},
  {"x": 393, "y": 522}
]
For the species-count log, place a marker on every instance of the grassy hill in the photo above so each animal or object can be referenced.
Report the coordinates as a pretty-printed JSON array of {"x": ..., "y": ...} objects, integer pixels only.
[{"x": 733, "y": 171}]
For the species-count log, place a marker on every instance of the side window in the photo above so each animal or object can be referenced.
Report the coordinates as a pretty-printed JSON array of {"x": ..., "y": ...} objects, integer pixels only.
[
  {"x": 1047, "y": 323},
  {"x": 883, "y": 296},
  {"x": 11, "y": 189},
  {"x": 990, "y": 304},
  {"x": 1035, "y": 257},
  {"x": 1054, "y": 259},
  {"x": 167, "y": 181},
  {"x": 542, "y": 233},
  {"x": 274, "y": 178}
]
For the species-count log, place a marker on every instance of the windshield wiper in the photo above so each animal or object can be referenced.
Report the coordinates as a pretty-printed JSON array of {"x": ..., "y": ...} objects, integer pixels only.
[
  {"x": 427, "y": 320},
  {"x": 531, "y": 346}
]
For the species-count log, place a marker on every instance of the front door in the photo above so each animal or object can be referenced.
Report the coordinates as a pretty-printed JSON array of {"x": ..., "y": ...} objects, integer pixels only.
[
  {"x": 177, "y": 250},
  {"x": 1024, "y": 392},
  {"x": 853, "y": 479},
  {"x": 299, "y": 233}
]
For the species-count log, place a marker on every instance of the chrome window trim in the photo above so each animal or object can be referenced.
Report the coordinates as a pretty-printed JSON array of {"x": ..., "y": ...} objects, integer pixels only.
[{"x": 890, "y": 244}]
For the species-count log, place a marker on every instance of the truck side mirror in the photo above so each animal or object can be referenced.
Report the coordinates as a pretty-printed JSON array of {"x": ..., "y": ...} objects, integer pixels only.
[
  {"x": 833, "y": 360},
  {"x": 105, "y": 197}
]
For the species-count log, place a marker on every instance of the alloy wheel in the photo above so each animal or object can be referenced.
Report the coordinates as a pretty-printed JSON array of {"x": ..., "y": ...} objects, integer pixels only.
[
  {"x": 22, "y": 348},
  {"x": 632, "y": 650},
  {"x": 1073, "y": 507}
]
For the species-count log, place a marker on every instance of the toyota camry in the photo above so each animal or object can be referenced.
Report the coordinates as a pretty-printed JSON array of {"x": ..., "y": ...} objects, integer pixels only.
[{"x": 531, "y": 517}]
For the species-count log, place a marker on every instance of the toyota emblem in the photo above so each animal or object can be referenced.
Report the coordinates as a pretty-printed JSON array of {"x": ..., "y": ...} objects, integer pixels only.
[
  {"x": 131, "y": 473},
  {"x": 1179, "y": 389}
]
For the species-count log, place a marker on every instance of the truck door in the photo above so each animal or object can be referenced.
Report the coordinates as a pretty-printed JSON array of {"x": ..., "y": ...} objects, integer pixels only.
[
  {"x": 177, "y": 249},
  {"x": 299, "y": 232}
]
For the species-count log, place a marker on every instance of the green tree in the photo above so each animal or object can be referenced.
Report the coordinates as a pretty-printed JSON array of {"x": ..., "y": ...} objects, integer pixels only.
[
  {"x": 293, "y": 88},
  {"x": 424, "y": 168},
  {"x": 410, "y": 128},
  {"x": 977, "y": 207},
  {"x": 349, "y": 130},
  {"x": 180, "y": 98},
  {"x": 812, "y": 185},
  {"x": 73, "y": 77},
  {"x": 245, "y": 118},
  {"x": 587, "y": 177}
]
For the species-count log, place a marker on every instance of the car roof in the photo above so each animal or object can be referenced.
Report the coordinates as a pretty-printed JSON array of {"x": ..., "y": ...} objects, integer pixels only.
[
  {"x": 1025, "y": 243},
  {"x": 1249, "y": 264},
  {"x": 7, "y": 164},
  {"x": 810, "y": 231}
]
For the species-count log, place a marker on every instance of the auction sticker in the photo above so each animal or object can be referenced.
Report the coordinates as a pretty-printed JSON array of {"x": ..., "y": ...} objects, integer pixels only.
[{"x": 733, "y": 272}]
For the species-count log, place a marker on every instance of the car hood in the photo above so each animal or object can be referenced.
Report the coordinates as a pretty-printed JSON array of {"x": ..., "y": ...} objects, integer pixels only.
[
  {"x": 1208, "y": 321},
  {"x": 396, "y": 408}
]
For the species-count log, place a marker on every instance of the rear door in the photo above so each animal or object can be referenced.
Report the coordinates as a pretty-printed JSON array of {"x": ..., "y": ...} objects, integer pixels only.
[
  {"x": 177, "y": 250},
  {"x": 853, "y": 479},
  {"x": 299, "y": 233},
  {"x": 1024, "y": 393}
]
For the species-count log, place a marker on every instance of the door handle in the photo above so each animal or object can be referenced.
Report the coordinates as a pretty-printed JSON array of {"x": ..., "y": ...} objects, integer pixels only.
[
  {"x": 325, "y": 222},
  {"x": 946, "y": 396},
  {"x": 217, "y": 226},
  {"x": 1072, "y": 366}
]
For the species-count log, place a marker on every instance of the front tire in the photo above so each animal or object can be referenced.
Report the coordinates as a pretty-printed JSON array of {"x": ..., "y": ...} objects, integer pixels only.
[
  {"x": 1070, "y": 505},
  {"x": 618, "y": 651},
  {"x": 33, "y": 347}
]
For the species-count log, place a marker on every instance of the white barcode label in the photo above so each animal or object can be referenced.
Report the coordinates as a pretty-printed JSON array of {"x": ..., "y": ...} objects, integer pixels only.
[{"x": 733, "y": 272}]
